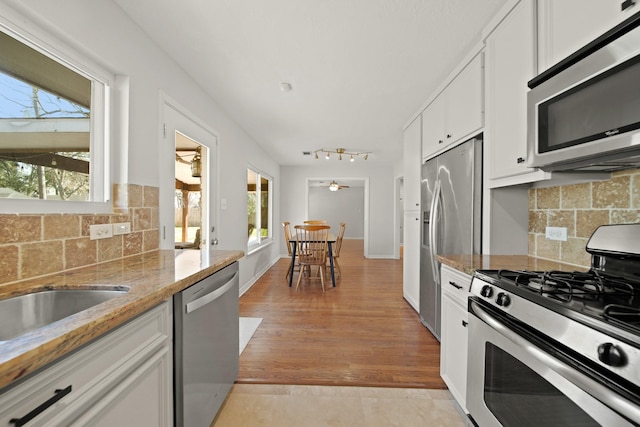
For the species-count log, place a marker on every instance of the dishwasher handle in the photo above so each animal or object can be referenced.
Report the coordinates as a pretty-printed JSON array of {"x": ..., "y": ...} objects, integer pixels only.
[{"x": 211, "y": 296}]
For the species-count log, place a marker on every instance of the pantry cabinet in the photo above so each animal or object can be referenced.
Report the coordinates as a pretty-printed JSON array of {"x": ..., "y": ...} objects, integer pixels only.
[
  {"x": 412, "y": 164},
  {"x": 411, "y": 259},
  {"x": 411, "y": 205},
  {"x": 566, "y": 26},
  {"x": 122, "y": 378},
  {"x": 453, "y": 332},
  {"x": 456, "y": 113}
]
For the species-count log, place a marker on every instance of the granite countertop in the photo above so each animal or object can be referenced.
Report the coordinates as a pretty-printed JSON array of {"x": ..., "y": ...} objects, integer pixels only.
[
  {"x": 470, "y": 263},
  {"x": 152, "y": 277}
]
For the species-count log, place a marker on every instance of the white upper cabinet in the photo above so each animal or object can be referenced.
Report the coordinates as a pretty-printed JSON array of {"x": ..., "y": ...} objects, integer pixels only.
[
  {"x": 463, "y": 111},
  {"x": 567, "y": 25},
  {"x": 456, "y": 113},
  {"x": 509, "y": 65},
  {"x": 433, "y": 128},
  {"x": 412, "y": 163}
]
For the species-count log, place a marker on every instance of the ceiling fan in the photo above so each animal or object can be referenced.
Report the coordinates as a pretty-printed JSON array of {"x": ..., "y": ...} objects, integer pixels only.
[{"x": 334, "y": 186}]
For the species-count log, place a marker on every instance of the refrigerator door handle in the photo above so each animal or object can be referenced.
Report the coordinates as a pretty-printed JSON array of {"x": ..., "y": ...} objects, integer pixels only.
[{"x": 433, "y": 225}]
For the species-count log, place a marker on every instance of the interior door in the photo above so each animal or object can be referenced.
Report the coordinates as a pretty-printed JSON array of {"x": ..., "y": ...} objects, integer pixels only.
[{"x": 176, "y": 121}]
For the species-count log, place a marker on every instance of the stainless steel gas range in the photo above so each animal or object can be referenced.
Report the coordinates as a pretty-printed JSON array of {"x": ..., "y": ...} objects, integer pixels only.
[{"x": 559, "y": 348}]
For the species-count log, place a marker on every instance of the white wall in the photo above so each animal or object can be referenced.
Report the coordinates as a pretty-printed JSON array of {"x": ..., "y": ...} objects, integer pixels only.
[
  {"x": 346, "y": 205},
  {"x": 99, "y": 30},
  {"x": 293, "y": 190}
]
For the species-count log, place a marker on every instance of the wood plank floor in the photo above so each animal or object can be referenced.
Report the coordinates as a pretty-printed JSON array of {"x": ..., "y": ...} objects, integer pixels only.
[{"x": 361, "y": 333}]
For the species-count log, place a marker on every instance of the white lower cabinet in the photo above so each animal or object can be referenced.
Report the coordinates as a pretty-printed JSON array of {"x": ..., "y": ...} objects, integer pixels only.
[
  {"x": 411, "y": 259},
  {"x": 453, "y": 332},
  {"x": 123, "y": 378}
]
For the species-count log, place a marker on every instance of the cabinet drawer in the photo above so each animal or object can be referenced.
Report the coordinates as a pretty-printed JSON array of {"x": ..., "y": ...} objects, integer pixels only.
[
  {"x": 455, "y": 284},
  {"x": 92, "y": 366}
]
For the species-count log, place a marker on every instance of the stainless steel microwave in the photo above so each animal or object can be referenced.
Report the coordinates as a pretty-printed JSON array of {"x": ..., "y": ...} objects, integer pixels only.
[{"x": 583, "y": 114}]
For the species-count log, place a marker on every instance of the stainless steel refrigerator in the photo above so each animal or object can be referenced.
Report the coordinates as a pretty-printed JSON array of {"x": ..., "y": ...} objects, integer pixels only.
[{"x": 451, "y": 219}]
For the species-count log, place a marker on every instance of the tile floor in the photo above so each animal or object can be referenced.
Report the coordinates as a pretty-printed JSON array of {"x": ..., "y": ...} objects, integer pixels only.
[{"x": 263, "y": 405}]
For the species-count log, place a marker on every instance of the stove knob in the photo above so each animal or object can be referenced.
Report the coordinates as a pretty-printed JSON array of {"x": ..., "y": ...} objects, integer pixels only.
[
  {"x": 611, "y": 355},
  {"x": 503, "y": 299},
  {"x": 486, "y": 291}
]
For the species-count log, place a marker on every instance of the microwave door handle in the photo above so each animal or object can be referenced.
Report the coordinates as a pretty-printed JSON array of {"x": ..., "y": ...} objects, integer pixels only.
[
  {"x": 433, "y": 226},
  {"x": 594, "y": 388}
]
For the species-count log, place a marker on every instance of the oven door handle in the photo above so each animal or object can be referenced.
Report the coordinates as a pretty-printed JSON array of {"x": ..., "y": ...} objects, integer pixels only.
[{"x": 594, "y": 388}]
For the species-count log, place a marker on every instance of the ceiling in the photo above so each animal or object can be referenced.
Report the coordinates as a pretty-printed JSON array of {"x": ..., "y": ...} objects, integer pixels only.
[{"x": 358, "y": 69}]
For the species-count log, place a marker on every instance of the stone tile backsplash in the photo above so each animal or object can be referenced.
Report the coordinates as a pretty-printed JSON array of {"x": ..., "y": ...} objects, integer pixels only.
[
  {"x": 581, "y": 208},
  {"x": 34, "y": 245}
]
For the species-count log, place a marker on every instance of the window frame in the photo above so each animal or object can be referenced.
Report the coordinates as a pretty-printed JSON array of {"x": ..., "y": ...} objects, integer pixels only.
[
  {"x": 102, "y": 84},
  {"x": 261, "y": 241}
]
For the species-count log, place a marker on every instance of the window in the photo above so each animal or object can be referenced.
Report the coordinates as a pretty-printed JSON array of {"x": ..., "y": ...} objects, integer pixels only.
[
  {"x": 259, "y": 207},
  {"x": 52, "y": 126}
]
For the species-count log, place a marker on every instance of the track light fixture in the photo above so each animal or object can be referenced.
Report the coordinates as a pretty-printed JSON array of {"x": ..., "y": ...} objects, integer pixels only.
[{"x": 340, "y": 152}]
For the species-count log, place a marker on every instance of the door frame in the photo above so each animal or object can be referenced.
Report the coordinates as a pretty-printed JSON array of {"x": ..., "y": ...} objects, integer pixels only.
[
  {"x": 366, "y": 202},
  {"x": 398, "y": 221}
]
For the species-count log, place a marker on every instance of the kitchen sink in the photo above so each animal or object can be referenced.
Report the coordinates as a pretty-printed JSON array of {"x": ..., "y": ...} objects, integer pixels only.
[{"x": 25, "y": 313}]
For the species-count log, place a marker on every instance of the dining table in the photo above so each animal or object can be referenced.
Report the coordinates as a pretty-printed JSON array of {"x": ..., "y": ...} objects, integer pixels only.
[{"x": 331, "y": 239}]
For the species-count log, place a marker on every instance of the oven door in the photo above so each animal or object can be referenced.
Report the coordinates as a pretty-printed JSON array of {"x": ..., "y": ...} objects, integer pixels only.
[{"x": 513, "y": 380}]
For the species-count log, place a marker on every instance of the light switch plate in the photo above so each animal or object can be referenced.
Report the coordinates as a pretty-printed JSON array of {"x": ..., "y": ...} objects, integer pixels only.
[
  {"x": 556, "y": 233},
  {"x": 100, "y": 231}
]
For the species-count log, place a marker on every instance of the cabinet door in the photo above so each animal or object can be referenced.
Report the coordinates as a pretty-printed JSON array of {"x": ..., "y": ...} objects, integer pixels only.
[
  {"x": 411, "y": 259},
  {"x": 109, "y": 366},
  {"x": 509, "y": 65},
  {"x": 463, "y": 111},
  {"x": 142, "y": 399},
  {"x": 453, "y": 348},
  {"x": 412, "y": 162},
  {"x": 566, "y": 26},
  {"x": 433, "y": 128}
]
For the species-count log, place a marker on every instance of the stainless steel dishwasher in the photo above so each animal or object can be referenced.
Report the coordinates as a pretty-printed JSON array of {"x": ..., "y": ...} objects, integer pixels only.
[{"x": 205, "y": 346}]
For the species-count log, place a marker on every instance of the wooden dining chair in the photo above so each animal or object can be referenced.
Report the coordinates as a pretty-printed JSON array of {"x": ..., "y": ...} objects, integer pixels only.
[
  {"x": 286, "y": 226},
  {"x": 316, "y": 221},
  {"x": 336, "y": 248},
  {"x": 311, "y": 243}
]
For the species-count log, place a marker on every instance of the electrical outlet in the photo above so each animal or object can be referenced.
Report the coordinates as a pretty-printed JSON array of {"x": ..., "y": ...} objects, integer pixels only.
[
  {"x": 556, "y": 233},
  {"x": 100, "y": 231},
  {"x": 121, "y": 228}
]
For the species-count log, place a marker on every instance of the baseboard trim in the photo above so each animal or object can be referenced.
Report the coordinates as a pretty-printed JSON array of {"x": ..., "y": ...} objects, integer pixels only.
[{"x": 247, "y": 285}]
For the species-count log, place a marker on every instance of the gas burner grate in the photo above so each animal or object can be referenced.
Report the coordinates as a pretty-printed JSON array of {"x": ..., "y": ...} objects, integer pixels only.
[
  {"x": 564, "y": 285},
  {"x": 622, "y": 313}
]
